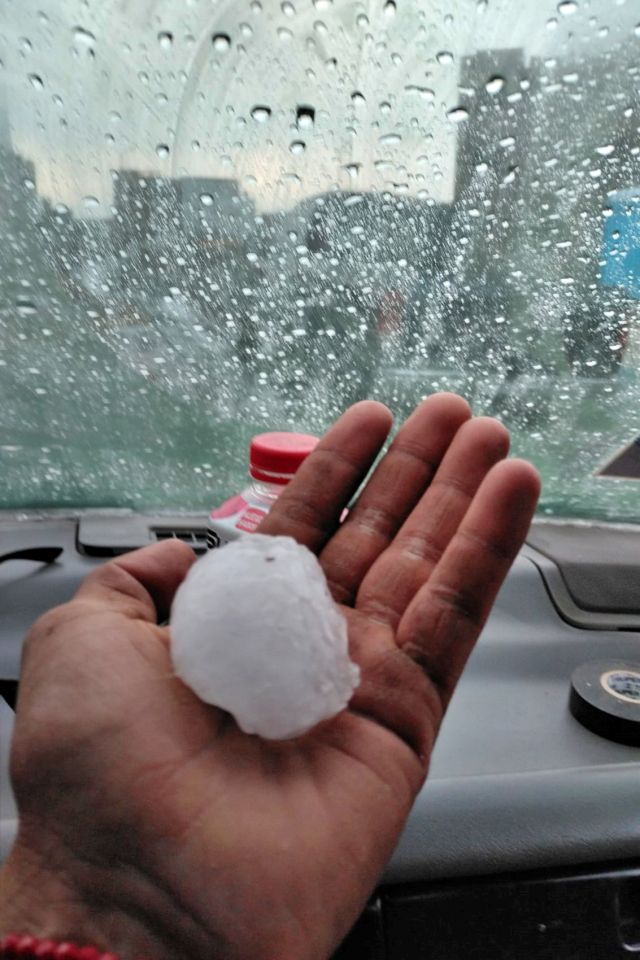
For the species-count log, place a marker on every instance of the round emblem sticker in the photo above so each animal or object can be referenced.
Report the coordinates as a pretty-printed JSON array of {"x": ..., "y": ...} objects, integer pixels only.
[{"x": 623, "y": 684}]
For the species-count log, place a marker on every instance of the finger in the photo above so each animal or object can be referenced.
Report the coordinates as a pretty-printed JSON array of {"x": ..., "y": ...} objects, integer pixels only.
[
  {"x": 401, "y": 571},
  {"x": 142, "y": 584},
  {"x": 396, "y": 486},
  {"x": 442, "y": 623},
  {"x": 310, "y": 507}
]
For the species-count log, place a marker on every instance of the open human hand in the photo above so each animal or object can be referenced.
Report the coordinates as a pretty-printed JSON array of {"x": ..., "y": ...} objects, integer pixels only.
[{"x": 149, "y": 823}]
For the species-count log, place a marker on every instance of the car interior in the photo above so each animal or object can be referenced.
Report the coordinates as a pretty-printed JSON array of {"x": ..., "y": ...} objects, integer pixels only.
[{"x": 423, "y": 196}]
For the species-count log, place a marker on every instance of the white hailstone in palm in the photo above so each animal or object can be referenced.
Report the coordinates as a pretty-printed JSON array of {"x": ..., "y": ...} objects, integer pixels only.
[{"x": 254, "y": 630}]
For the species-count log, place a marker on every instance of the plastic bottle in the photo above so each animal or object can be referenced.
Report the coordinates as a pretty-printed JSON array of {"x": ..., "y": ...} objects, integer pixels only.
[{"x": 273, "y": 461}]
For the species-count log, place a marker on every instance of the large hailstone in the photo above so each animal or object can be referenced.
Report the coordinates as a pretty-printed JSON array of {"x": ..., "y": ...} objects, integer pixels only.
[{"x": 255, "y": 631}]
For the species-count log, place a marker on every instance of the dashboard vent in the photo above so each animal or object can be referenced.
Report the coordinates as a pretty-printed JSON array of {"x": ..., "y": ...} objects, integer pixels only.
[
  {"x": 111, "y": 533},
  {"x": 195, "y": 537},
  {"x": 213, "y": 540}
]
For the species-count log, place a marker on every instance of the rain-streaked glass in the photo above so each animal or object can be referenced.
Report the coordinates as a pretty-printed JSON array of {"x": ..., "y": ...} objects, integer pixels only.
[{"x": 218, "y": 218}]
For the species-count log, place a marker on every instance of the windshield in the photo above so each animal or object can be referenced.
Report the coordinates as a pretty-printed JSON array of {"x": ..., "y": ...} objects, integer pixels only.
[{"x": 219, "y": 217}]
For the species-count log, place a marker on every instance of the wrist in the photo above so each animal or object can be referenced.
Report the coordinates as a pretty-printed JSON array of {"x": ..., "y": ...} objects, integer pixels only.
[
  {"x": 16, "y": 946},
  {"x": 35, "y": 900},
  {"x": 55, "y": 900}
]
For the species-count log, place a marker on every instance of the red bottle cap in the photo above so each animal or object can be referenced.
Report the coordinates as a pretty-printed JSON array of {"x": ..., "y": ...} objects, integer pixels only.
[{"x": 275, "y": 457}]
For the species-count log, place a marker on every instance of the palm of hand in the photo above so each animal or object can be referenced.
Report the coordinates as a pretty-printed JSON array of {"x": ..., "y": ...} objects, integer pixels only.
[{"x": 238, "y": 846}]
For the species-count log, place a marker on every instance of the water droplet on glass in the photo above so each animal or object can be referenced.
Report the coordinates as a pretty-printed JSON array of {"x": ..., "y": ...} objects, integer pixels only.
[
  {"x": 323, "y": 4},
  {"x": 606, "y": 151},
  {"x": 458, "y": 115},
  {"x": 298, "y": 147},
  {"x": 90, "y": 202},
  {"x": 358, "y": 98},
  {"x": 246, "y": 29},
  {"x": 261, "y": 114},
  {"x": 36, "y": 81},
  {"x": 115, "y": 117},
  {"x": 445, "y": 57},
  {"x": 426, "y": 93},
  {"x": 495, "y": 85},
  {"x": 83, "y": 37},
  {"x": 221, "y": 42},
  {"x": 165, "y": 39},
  {"x": 390, "y": 139},
  {"x": 305, "y": 117},
  {"x": 163, "y": 151},
  {"x": 206, "y": 200},
  {"x": 284, "y": 33},
  {"x": 288, "y": 9},
  {"x": 26, "y": 308},
  {"x": 567, "y": 7},
  {"x": 390, "y": 8}
]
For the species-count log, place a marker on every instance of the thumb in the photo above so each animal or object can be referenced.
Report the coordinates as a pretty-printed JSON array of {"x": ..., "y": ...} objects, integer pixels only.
[{"x": 141, "y": 585}]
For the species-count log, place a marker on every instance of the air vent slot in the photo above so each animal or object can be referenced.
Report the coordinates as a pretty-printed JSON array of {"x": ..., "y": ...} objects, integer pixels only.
[
  {"x": 195, "y": 537},
  {"x": 213, "y": 540}
]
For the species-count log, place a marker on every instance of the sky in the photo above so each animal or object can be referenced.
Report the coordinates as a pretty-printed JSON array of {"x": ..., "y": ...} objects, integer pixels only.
[{"x": 222, "y": 88}]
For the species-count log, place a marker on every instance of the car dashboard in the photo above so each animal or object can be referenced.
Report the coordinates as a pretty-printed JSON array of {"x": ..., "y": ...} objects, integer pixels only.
[{"x": 525, "y": 841}]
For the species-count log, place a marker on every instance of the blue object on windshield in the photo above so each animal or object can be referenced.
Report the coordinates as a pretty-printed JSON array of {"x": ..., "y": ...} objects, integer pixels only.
[{"x": 621, "y": 252}]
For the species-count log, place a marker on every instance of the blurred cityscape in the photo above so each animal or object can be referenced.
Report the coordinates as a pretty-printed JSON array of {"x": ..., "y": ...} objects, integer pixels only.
[{"x": 184, "y": 309}]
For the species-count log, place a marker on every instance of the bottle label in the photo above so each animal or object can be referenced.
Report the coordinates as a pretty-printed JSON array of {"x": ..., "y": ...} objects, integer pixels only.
[
  {"x": 251, "y": 519},
  {"x": 241, "y": 514}
]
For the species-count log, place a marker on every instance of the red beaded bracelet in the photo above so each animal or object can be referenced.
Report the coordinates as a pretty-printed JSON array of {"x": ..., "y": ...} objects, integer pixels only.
[{"x": 16, "y": 945}]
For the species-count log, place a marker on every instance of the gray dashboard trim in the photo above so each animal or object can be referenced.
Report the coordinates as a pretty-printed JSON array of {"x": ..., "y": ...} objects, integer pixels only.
[
  {"x": 487, "y": 825},
  {"x": 566, "y": 605}
]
